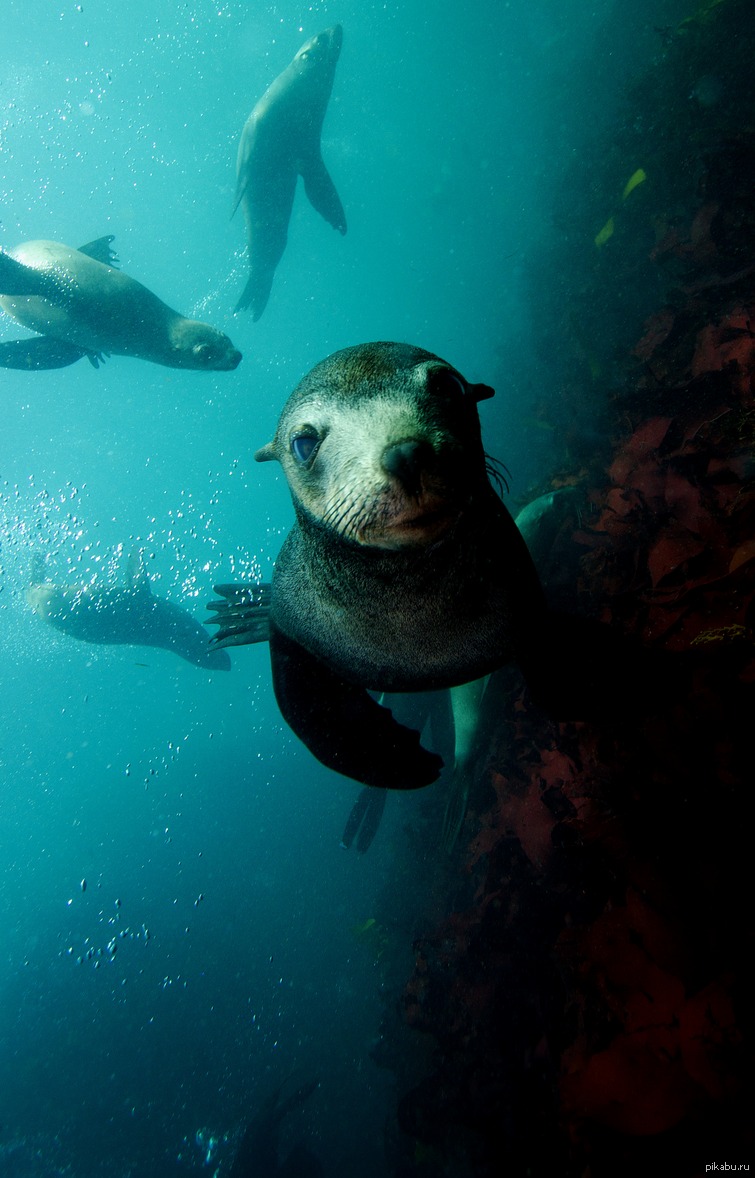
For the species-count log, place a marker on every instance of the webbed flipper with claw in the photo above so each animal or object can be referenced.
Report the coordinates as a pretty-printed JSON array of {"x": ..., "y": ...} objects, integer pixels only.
[
  {"x": 243, "y": 615},
  {"x": 43, "y": 352}
]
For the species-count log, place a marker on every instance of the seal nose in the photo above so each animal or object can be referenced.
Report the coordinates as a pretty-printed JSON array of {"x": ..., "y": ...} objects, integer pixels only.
[{"x": 406, "y": 461}]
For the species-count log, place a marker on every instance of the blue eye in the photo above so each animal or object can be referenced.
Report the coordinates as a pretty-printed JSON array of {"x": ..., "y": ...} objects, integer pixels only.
[{"x": 303, "y": 446}]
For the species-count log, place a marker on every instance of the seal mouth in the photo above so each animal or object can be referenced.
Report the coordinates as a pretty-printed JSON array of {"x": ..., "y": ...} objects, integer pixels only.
[
  {"x": 233, "y": 360},
  {"x": 418, "y": 525}
]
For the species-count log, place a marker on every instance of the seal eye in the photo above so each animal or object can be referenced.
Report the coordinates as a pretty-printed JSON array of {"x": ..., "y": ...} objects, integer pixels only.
[
  {"x": 204, "y": 353},
  {"x": 304, "y": 447},
  {"x": 446, "y": 383}
]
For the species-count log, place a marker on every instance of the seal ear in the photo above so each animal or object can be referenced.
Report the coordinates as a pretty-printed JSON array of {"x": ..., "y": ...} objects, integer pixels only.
[
  {"x": 481, "y": 392},
  {"x": 266, "y": 453}
]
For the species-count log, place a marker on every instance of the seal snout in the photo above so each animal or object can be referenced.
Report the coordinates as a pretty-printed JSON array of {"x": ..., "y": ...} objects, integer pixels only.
[
  {"x": 408, "y": 461},
  {"x": 417, "y": 506},
  {"x": 232, "y": 359}
]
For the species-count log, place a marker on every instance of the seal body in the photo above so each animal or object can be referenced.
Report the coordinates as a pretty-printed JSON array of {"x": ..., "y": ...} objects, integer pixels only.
[
  {"x": 281, "y": 141},
  {"x": 97, "y": 310},
  {"x": 127, "y": 615},
  {"x": 403, "y": 570}
]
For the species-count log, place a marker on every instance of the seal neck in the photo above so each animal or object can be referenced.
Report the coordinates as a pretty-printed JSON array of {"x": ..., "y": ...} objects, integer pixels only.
[{"x": 461, "y": 556}]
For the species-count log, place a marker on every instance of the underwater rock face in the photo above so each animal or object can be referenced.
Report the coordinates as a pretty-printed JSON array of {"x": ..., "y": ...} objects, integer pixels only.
[{"x": 589, "y": 1003}]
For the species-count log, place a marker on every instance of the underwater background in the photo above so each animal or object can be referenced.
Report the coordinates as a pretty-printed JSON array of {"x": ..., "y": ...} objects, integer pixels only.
[{"x": 180, "y": 931}]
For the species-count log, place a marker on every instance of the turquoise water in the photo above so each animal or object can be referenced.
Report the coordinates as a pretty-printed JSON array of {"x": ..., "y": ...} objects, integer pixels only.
[{"x": 207, "y": 836}]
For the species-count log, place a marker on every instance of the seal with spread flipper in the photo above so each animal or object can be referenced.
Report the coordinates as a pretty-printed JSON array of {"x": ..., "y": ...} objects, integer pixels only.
[
  {"x": 403, "y": 571},
  {"x": 83, "y": 306}
]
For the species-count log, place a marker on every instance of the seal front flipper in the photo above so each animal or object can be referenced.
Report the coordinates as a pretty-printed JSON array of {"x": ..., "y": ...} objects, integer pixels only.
[
  {"x": 343, "y": 726},
  {"x": 243, "y": 616},
  {"x": 100, "y": 250},
  {"x": 321, "y": 192},
  {"x": 41, "y": 353}
]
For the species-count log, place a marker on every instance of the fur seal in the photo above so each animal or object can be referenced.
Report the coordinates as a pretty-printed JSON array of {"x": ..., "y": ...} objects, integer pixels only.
[
  {"x": 281, "y": 141},
  {"x": 130, "y": 615},
  {"x": 403, "y": 570},
  {"x": 84, "y": 306}
]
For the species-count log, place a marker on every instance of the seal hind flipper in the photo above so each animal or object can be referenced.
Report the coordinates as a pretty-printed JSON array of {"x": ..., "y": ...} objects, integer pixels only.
[
  {"x": 41, "y": 353},
  {"x": 37, "y": 569},
  {"x": 456, "y": 808},
  {"x": 343, "y": 726},
  {"x": 256, "y": 293},
  {"x": 243, "y": 617},
  {"x": 137, "y": 577},
  {"x": 100, "y": 250},
  {"x": 321, "y": 192}
]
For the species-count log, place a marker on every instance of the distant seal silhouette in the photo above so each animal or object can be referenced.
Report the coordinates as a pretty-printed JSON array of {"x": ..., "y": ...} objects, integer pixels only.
[
  {"x": 84, "y": 306},
  {"x": 279, "y": 142},
  {"x": 403, "y": 570},
  {"x": 129, "y": 615},
  {"x": 259, "y": 1150}
]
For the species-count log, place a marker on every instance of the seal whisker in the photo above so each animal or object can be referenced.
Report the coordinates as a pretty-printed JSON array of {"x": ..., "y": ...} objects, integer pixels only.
[
  {"x": 497, "y": 472},
  {"x": 354, "y": 516},
  {"x": 339, "y": 512},
  {"x": 332, "y": 511}
]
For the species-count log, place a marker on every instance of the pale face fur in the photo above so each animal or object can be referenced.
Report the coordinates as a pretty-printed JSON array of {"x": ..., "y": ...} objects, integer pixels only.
[{"x": 335, "y": 451}]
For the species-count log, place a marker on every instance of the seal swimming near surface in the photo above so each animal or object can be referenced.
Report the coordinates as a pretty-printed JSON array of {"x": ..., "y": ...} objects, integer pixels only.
[
  {"x": 281, "y": 141},
  {"x": 83, "y": 306},
  {"x": 403, "y": 570},
  {"x": 128, "y": 615}
]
